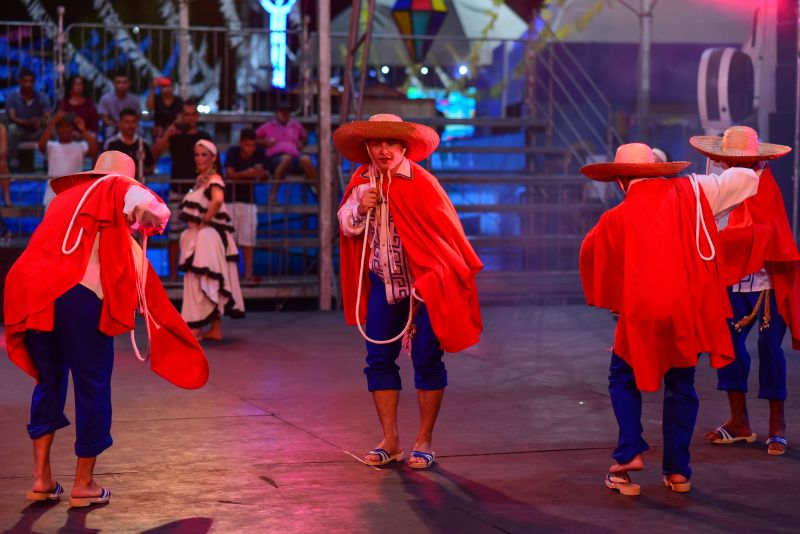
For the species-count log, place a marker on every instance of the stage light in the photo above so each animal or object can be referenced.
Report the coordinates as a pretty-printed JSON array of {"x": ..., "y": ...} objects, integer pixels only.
[
  {"x": 372, "y": 73},
  {"x": 423, "y": 71},
  {"x": 385, "y": 69},
  {"x": 463, "y": 70},
  {"x": 203, "y": 108},
  {"x": 278, "y": 14},
  {"x": 135, "y": 29}
]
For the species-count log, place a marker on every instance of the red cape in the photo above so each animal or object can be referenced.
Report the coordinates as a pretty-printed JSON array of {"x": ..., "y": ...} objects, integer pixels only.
[
  {"x": 641, "y": 261},
  {"x": 441, "y": 259},
  {"x": 758, "y": 235},
  {"x": 43, "y": 273}
]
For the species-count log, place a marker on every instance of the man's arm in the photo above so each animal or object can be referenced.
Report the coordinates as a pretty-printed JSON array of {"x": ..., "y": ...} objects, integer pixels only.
[
  {"x": 160, "y": 146},
  {"x": 729, "y": 189},
  {"x": 48, "y": 132},
  {"x": 144, "y": 211},
  {"x": 105, "y": 113},
  {"x": 90, "y": 139}
]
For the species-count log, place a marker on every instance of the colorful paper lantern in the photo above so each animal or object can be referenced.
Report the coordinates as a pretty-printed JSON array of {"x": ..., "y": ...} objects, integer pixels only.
[{"x": 416, "y": 18}]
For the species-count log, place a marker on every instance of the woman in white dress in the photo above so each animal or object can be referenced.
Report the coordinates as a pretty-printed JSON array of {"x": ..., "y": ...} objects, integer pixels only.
[{"x": 209, "y": 257}]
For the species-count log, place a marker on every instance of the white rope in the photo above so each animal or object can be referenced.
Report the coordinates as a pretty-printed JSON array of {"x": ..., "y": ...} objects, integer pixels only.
[
  {"x": 413, "y": 296},
  {"x": 701, "y": 221},
  {"x": 140, "y": 281}
]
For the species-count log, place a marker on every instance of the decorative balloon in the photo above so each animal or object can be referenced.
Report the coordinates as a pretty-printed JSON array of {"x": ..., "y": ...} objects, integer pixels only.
[{"x": 415, "y": 18}]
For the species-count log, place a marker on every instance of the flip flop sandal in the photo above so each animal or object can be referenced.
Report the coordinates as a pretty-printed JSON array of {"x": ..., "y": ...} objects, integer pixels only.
[
  {"x": 726, "y": 438},
  {"x": 621, "y": 482},
  {"x": 429, "y": 458},
  {"x": 49, "y": 495},
  {"x": 83, "y": 502},
  {"x": 385, "y": 457},
  {"x": 780, "y": 440},
  {"x": 677, "y": 487}
]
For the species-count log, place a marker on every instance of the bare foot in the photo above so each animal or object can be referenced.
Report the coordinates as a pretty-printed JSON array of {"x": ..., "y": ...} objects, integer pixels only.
[
  {"x": 677, "y": 478},
  {"x": 636, "y": 464},
  {"x": 92, "y": 490},
  {"x": 214, "y": 335},
  {"x": 392, "y": 446},
  {"x": 736, "y": 429},
  {"x": 41, "y": 485}
]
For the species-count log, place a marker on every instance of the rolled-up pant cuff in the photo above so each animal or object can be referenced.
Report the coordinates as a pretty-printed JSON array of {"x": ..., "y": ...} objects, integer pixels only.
[
  {"x": 723, "y": 385},
  {"x": 93, "y": 449},
  {"x": 772, "y": 394},
  {"x": 37, "y": 431}
]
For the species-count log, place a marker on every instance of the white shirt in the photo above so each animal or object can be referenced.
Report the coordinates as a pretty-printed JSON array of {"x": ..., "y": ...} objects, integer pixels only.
[
  {"x": 388, "y": 259},
  {"x": 136, "y": 197},
  {"x": 64, "y": 159}
]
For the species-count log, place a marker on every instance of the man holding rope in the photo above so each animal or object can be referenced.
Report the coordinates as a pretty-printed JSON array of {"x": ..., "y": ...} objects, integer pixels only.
[
  {"x": 78, "y": 284},
  {"x": 420, "y": 279}
]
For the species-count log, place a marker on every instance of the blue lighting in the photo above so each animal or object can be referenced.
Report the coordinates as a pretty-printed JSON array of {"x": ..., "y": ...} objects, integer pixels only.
[{"x": 278, "y": 14}]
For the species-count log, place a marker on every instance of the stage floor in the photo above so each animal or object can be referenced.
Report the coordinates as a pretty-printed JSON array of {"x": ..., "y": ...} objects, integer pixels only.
[{"x": 271, "y": 443}]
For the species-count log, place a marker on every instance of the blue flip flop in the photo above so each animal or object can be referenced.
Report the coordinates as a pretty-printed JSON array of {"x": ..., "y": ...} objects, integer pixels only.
[
  {"x": 53, "y": 494},
  {"x": 384, "y": 455},
  {"x": 427, "y": 456}
]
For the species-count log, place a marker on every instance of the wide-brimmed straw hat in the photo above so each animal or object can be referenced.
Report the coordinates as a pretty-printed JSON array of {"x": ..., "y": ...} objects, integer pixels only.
[
  {"x": 350, "y": 139},
  {"x": 634, "y": 160},
  {"x": 109, "y": 162},
  {"x": 739, "y": 144}
]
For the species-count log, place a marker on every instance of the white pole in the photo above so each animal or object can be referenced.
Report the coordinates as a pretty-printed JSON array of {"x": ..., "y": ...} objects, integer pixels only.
[
  {"x": 646, "y": 37},
  {"x": 60, "y": 42},
  {"x": 183, "y": 58},
  {"x": 325, "y": 159}
]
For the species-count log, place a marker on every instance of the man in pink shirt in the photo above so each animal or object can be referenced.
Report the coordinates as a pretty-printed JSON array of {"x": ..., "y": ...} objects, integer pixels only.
[{"x": 283, "y": 139}]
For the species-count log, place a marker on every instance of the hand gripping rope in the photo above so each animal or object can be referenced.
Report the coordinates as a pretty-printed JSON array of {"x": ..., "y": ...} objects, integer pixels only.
[
  {"x": 141, "y": 279},
  {"x": 373, "y": 183}
]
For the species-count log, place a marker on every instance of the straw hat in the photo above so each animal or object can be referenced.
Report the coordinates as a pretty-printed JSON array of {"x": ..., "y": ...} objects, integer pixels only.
[
  {"x": 635, "y": 160},
  {"x": 109, "y": 162},
  {"x": 739, "y": 144},
  {"x": 350, "y": 139}
]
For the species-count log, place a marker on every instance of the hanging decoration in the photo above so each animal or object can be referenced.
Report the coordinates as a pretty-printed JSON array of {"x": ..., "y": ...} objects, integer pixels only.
[
  {"x": 418, "y": 18},
  {"x": 278, "y": 15}
]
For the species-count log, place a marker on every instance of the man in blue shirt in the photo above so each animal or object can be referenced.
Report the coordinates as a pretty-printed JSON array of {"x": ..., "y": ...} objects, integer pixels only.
[
  {"x": 28, "y": 113},
  {"x": 245, "y": 164}
]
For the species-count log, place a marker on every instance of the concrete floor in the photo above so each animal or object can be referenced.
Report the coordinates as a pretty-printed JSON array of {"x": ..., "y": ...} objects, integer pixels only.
[{"x": 269, "y": 445}]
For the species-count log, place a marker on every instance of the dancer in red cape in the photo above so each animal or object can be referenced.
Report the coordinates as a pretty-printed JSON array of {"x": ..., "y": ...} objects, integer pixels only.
[
  {"x": 78, "y": 284},
  {"x": 652, "y": 261},
  {"x": 417, "y": 276},
  {"x": 760, "y": 262}
]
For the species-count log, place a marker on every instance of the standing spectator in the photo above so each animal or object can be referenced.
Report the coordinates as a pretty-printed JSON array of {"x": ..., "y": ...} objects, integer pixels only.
[
  {"x": 4, "y": 182},
  {"x": 113, "y": 102},
  {"x": 129, "y": 142},
  {"x": 165, "y": 105},
  {"x": 284, "y": 137},
  {"x": 180, "y": 138},
  {"x": 28, "y": 111},
  {"x": 75, "y": 101},
  {"x": 244, "y": 164},
  {"x": 65, "y": 155}
]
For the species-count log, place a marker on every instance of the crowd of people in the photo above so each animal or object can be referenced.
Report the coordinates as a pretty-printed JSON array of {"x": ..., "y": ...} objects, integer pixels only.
[{"x": 211, "y": 198}]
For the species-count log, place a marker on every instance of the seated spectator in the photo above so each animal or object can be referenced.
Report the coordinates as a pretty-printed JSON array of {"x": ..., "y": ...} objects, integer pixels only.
[
  {"x": 284, "y": 137},
  {"x": 244, "y": 165},
  {"x": 4, "y": 182},
  {"x": 165, "y": 105},
  {"x": 129, "y": 142},
  {"x": 76, "y": 101},
  {"x": 65, "y": 155},
  {"x": 28, "y": 111},
  {"x": 180, "y": 138},
  {"x": 113, "y": 102}
]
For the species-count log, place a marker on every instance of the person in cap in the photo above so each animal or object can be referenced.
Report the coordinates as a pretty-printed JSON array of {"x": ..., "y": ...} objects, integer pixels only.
[
  {"x": 416, "y": 277},
  {"x": 759, "y": 261},
  {"x": 651, "y": 261},
  {"x": 78, "y": 283},
  {"x": 164, "y": 104},
  {"x": 208, "y": 253}
]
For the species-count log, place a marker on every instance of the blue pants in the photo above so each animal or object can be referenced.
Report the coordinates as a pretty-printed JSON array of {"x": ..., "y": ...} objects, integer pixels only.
[
  {"x": 678, "y": 419},
  {"x": 76, "y": 345},
  {"x": 384, "y": 321},
  {"x": 771, "y": 359}
]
